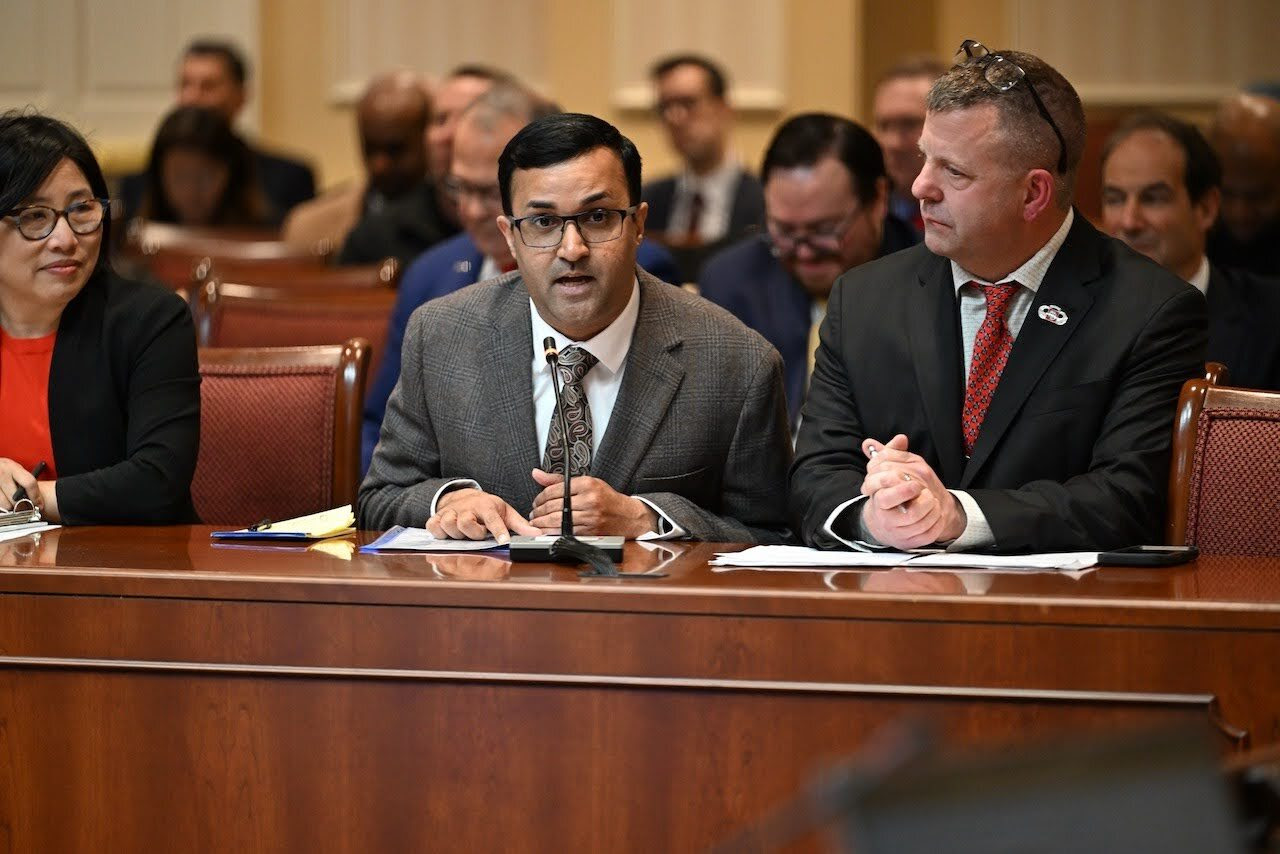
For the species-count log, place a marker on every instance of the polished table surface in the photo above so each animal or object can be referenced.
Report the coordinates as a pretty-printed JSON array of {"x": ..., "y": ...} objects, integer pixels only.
[{"x": 316, "y": 698}]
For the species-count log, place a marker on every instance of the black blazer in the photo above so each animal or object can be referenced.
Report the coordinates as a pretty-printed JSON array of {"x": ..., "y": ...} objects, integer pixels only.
[
  {"x": 124, "y": 405},
  {"x": 1243, "y": 311},
  {"x": 1074, "y": 451}
]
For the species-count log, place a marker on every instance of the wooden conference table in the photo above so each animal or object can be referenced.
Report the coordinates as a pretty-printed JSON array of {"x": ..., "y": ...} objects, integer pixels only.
[{"x": 160, "y": 693}]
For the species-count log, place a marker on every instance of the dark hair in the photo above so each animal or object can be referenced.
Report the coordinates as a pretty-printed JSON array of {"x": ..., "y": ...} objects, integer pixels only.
[
  {"x": 1202, "y": 171},
  {"x": 564, "y": 136},
  {"x": 807, "y": 138},
  {"x": 224, "y": 50},
  {"x": 716, "y": 80},
  {"x": 31, "y": 147},
  {"x": 208, "y": 132},
  {"x": 1029, "y": 140}
]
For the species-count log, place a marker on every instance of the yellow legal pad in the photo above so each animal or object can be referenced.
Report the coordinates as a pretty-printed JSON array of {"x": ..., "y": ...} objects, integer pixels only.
[{"x": 317, "y": 526}]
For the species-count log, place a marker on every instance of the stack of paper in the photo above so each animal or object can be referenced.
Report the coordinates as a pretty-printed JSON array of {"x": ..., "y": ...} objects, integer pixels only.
[{"x": 798, "y": 557}]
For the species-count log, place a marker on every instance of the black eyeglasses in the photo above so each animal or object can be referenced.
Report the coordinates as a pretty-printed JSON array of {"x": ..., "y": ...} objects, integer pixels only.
[
  {"x": 1003, "y": 74},
  {"x": 543, "y": 231},
  {"x": 36, "y": 222}
]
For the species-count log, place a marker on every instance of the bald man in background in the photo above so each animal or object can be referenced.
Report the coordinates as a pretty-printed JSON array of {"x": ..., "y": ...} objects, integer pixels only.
[
  {"x": 391, "y": 117},
  {"x": 1246, "y": 136}
]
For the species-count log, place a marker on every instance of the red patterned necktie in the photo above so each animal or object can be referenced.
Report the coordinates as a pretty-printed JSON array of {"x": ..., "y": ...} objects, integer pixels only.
[
  {"x": 694, "y": 229},
  {"x": 991, "y": 349},
  {"x": 574, "y": 364}
]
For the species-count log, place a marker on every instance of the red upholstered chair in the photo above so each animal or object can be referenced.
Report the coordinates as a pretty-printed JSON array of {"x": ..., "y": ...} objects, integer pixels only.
[
  {"x": 1224, "y": 484},
  {"x": 231, "y": 315},
  {"x": 179, "y": 257},
  {"x": 279, "y": 431}
]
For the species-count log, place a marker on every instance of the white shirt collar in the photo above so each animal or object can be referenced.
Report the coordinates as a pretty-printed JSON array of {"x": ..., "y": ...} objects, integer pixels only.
[
  {"x": 1201, "y": 278},
  {"x": 717, "y": 182},
  {"x": 1032, "y": 272},
  {"x": 610, "y": 345}
]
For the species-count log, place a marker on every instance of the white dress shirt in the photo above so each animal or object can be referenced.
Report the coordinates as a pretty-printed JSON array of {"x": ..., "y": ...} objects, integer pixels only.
[
  {"x": 973, "y": 310},
  {"x": 716, "y": 188},
  {"x": 601, "y": 385},
  {"x": 1201, "y": 278}
]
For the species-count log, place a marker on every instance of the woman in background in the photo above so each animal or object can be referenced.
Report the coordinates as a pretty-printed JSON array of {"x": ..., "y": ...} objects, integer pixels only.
[
  {"x": 200, "y": 173},
  {"x": 99, "y": 384}
]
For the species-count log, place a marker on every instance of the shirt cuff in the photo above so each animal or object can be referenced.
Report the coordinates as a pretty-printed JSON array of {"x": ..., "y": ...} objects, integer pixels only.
[
  {"x": 868, "y": 543},
  {"x": 667, "y": 528},
  {"x": 977, "y": 532},
  {"x": 460, "y": 483}
]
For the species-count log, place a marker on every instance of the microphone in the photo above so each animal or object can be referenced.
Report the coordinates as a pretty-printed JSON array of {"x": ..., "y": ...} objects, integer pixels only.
[{"x": 567, "y": 548}]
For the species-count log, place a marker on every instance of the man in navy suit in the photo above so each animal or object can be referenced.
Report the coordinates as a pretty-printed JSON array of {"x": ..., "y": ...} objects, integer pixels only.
[
  {"x": 480, "y": 252},
  {"x": 213, "y": 75},
  {"x": 1161, "y": 194},
  {"x": 1011, "y": 383},
  {"x": 712, "y": 200},
  {"x": 826, "y": 193}
]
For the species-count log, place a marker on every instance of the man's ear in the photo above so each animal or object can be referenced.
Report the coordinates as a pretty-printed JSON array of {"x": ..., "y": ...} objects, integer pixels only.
[
  {"x": 508, "y": 233},
  {"x": 642, "y": 213},
  {"x": 1206, "y": 209},
  {"x": 1040, "y": 188}
]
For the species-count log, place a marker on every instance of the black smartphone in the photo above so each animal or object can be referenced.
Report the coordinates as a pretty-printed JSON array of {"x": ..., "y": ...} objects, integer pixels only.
[{"x": 1149, "y": 556}]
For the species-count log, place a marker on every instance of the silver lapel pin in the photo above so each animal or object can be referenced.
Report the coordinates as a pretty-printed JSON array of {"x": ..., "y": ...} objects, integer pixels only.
[{"x": 1052, "y": 313}]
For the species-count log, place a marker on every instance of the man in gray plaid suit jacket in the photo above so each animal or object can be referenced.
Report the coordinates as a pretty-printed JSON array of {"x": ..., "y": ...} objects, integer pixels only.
[{"x": 688, "y": 424}]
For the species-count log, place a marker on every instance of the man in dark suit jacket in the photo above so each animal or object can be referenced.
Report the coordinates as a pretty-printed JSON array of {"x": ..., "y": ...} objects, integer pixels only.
[
  {"x": 677, "y": 419},
  {"x": 712, "y": 201},
  {"x": 1011, "y": 383},
  {"x": 1161, "y": 194},
  {"x": 214, "y": 75},
  {"x": 1246, "y": 136},
  {"x": 826, "y": 189}
]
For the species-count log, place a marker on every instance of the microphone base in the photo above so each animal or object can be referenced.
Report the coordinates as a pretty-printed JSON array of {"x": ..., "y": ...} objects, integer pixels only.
[{"x": 538, "y": 549}]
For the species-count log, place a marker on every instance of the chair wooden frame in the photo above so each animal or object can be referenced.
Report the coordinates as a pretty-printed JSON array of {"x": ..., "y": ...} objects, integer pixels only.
[
  {"x": 1197, "y": 396},
  {"x": 306, "y": 274},
  {"x": 351, "y": 359}
]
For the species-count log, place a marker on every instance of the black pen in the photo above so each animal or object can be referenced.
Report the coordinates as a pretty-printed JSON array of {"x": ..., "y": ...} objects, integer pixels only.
[{"x": 21, "y": 494}]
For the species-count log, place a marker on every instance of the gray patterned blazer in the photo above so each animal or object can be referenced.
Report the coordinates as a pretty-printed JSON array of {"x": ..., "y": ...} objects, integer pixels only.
[{"x": 699, "y": 427}]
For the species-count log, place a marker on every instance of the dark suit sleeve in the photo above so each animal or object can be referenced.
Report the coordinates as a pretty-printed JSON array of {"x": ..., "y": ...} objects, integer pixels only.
[
  {"x": 152, "y": 484},
  {"x": 755, "y": 470},
  {"x": 1121, "y": 499},
  {"x": 404, "y": 475},
  {"x": 829, "y": 466}
]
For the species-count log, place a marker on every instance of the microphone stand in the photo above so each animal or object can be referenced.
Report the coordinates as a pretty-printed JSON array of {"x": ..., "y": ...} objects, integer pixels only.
[{"x": 568, "y": 548}]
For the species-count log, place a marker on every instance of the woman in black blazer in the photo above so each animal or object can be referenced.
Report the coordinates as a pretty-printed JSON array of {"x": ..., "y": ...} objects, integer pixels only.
[{"x": 98, "y": 375}]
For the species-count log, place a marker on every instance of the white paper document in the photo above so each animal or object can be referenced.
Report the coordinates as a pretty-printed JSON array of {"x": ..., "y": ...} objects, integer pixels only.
[
  {"x": 801, "y": 558},
  {"x": 401, "y": 538},
  {"x": 14, "y": 532}
]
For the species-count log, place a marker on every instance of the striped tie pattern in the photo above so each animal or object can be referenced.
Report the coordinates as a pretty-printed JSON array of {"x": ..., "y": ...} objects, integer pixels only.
[{"x": 574, "y": 364}]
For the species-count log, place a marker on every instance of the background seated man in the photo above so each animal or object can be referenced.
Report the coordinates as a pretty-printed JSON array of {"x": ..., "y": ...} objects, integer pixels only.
[
  {"x": 1246, "y": 135},
  {"x": 712, "y": 200},
  {"x": 1011, "y": 383},
  {"x": 897, "y": 117},
  {"x": 677, "y": 424},
  {"x": 825, "y": 193},
  {"x": 480, "y": 252},
  {"x": 391, "y": 121},
  {"x": 214, "y": 75},
  {"x": 1160, "y": 194}
]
